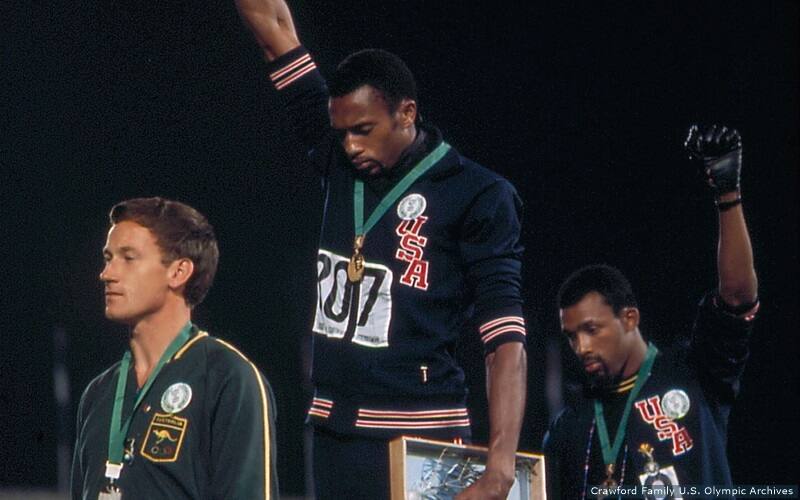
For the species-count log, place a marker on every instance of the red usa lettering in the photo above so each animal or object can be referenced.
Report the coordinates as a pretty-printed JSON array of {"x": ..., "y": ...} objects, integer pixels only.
[
  {"x": 644, "y": 409},
  {"x": 411, "y": 251},
  {"x": 681, "y": 442},
  {"x": 666, "y": 428}
]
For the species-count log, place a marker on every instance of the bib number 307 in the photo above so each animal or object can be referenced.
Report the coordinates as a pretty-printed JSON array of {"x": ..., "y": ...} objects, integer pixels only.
[{"x": 359, "y": 312}]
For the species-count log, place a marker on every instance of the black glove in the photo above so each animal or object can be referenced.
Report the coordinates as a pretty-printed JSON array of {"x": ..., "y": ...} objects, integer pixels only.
[{"x": 719, "y": 150}]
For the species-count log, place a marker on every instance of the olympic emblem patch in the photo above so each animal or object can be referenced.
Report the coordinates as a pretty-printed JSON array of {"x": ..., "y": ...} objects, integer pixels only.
[
  {"x": 164, "y": 438},
  {"x": 675, "y": 404},
  {"x": 411, "y": 207},
  {"x": 176, "y": 398}
]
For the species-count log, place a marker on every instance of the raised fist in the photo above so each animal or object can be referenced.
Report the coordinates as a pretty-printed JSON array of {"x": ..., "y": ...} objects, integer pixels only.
[{"x": 718, "y": 149}]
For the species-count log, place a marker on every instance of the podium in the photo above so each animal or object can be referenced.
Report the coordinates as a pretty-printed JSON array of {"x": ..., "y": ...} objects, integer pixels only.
[{"x": 424, "y": 469}]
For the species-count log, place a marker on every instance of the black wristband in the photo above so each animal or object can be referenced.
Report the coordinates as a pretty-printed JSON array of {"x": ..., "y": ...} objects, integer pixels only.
[
  {"x": 734, "y": 310},
  {"x": 727, "y": 205}
]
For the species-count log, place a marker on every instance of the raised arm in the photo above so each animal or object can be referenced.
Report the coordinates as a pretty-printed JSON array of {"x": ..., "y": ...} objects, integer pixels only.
[
  {"x": 724, "y": 322},
  {"x": 300, "y": 87},
  {"x": 271, "y": 23},
  {"x": 719, "y": 150}
]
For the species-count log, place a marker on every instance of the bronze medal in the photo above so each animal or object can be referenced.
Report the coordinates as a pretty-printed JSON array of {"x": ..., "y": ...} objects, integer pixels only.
[
  {"x": 609, "y": 482},
  {"x": 355, "y": 268}
]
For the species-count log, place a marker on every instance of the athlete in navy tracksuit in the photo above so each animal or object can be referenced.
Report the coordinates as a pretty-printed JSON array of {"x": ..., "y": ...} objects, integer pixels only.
[
  {"x": 446, "y": 251},
  {"x": 687, "y": 442},
  {"x": 662, "y": 414}
]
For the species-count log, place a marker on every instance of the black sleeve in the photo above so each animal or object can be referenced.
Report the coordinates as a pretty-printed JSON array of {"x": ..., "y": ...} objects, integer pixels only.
[
  {"x": 243, "y": 434},
  {"x": 77, "y": 473},
  {"x": 304, "y": 94},
  {"x": 491, "y": 249},
  {"x": 720, "y": 347},
  {"x": 552, "y": 446}
]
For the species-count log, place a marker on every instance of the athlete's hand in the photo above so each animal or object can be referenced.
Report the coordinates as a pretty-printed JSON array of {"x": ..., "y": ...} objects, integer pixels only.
[
  {"x": 492, "y": 485},
  {"x": 271, "y": 23},
  {"x": 718, "y": 149}
]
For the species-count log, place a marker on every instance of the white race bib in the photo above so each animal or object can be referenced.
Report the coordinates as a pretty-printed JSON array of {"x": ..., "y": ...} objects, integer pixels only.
[{"x": 358, "y": 311}]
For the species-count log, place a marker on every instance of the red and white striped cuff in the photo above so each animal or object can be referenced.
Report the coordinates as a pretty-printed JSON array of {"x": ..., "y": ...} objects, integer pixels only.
[
  {"x": 292, "y": 71},
  {"x": 426, "y": 419},
  {"x": 496, "y": 327},
  {"x": 321, "y": 408}
]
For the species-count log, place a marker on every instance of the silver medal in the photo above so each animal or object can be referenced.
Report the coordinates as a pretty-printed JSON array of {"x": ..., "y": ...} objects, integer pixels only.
[{"x": 111, "y": 494}]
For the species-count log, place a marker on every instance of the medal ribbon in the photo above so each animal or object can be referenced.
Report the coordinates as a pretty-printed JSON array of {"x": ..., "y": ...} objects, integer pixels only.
[
  {"x": 609, "y": 453},
  {"x": 117, "y": 430},
  {"x": 358, "y": 191}
]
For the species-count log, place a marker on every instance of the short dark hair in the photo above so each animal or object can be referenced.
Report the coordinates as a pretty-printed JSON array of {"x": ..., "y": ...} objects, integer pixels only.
[
  {"x": 181, "y": 232},
  {"x": 378, "y": 68},
  {"x": 606, "y": 280}
]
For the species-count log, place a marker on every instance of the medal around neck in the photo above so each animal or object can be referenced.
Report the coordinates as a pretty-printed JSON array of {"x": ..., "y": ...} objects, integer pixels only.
[
  {"x": 411, "y": 207},
  {"x": 610, "y": 452},
  {"x": 609, "y": 482},
  {"x": 355, "y": 268},
  {"x": 118, "y": 430}
]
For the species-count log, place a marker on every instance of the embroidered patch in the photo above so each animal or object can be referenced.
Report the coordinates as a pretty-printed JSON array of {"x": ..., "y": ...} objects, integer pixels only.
[
  {"x": 411, "y": 206},
  {"x": 176, "y": 397},
  {"x": 164, "y": 438}
]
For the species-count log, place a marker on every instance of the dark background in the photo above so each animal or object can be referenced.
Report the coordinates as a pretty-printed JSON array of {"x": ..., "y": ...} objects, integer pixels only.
[{"x": 582, "y": 105}]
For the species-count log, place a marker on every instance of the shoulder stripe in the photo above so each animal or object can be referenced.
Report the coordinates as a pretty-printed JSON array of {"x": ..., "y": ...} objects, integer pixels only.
[
  {"x": 189, "y": 344},
  {"x": 265, "y": 413}
]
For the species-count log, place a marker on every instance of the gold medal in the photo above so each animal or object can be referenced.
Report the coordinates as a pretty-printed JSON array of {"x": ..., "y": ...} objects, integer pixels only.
[{"x": 355, "y": 268}]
